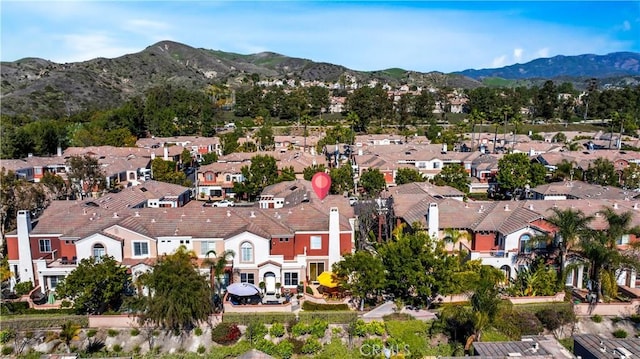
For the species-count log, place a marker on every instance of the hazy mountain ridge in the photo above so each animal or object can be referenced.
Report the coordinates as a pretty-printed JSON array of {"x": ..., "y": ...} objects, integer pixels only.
[
  {"x": 33, "y": 86},
  {"x": 589, "y": 65}
]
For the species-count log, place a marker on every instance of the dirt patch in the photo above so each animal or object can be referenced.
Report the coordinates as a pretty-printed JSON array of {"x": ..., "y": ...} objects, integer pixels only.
[{"x": 608, "y": 325}]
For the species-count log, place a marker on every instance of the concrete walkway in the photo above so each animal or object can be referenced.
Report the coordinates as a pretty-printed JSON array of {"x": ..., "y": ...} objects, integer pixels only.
[{"x": 387, "y": 308}]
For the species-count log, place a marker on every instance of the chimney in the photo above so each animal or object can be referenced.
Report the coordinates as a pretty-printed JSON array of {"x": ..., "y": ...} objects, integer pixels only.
[
  {"x": 433, "y": 220},
  {"x": 25, "y": 261},
  {"x": 444, "y": 148},
  {"x": 153, "y": 156},
  {"x": 166, "y": 153},
  {"x": 334, "y": 236},
  {"x": 59, "y": 151},
  {"x": 30, "y": 155}
]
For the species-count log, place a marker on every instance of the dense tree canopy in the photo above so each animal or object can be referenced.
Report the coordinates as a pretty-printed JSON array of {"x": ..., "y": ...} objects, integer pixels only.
[
  {"x": 262, "y": 172},
  {"x": 362, "y": 273},
  {"x": 85, "y": 175},
  {"x": 369, "y": 103},
  {"x": 516, "y": 171},
  {"x": 95, "y": 286},
  {"x": 179, "y": 296},
  {"x": 453, "y": 175},
  {"x": 372, "y": 181},
  {"x": 408, "y": 175}
]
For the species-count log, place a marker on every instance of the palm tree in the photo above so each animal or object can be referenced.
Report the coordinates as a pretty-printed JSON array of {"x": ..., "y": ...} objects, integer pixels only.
[
  {"x": 217, "y": 265},
  {"x": 453, "y": 237},
  {"x": 69, "y": 332},
  {"x": 600, "y": 248},
  {"x": 570, "y": 224}
]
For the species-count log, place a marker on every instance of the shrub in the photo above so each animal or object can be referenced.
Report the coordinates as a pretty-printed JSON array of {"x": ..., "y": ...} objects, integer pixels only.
[
  {"x": 264, "y": 318},
  {"x": 91, "y": 333},
  {"x": 255, "y": 332},
  {"x": 309, "y": 291},
  {"x": 311, "y": 306},
  {"x": 8, "y": 350},
  {"x": 300, "y": 329},
  {"x": 23, "y": 288},
  {"x": 116, "y": 348},
  {"x": 225, "y": 333},
  {"x": 112, "y": 333},
  {"x": 201, "y": 349},
  {"x": 6, "y": 335},
  {"x": 318, "y": 328},
  {"x": 553, "y": 318},
  {"x": 616, "y": 320},
  {"x": 136, "y": 349},
  {"x": 334, "y": 317},
  {"x": 134, "y": 332},
  {"x": 596, "y": 318},
  {"x": 635, "y": 318},
  {"x": 311, "y": 346},
  {"x": 297, "y": 345},
  {"x": 14, "y": 308},
  {"x": 620, "y": 333},
  {"x": 397, "y": 316},
  {"x": 375, "y": 328},
  {"x": 285, "y": 349},
  {"x": 266, "y": 346},
  {"x": 197, "y": 331},
  {"x": 358, "y": 328},
  {"x": 277, "y": 330}
]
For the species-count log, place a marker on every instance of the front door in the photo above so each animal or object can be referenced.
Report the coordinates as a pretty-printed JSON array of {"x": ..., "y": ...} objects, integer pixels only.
[{"x": 270, "y": 282}]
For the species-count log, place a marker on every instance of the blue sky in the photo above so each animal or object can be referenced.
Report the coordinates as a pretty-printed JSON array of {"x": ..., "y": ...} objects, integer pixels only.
[{"x": 415, "y": 35}]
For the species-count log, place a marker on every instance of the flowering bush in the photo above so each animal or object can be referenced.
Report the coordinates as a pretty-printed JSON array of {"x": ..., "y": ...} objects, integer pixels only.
[{"x": 225, "y": 333}]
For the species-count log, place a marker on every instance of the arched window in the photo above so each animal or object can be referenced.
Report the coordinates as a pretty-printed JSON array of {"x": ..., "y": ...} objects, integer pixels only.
[
  {"x": 99, "y": 251},
  {"x": 246, "y": 252},
  {"x": 525, "y": 246},
  {"x": 228, "y": 178}
]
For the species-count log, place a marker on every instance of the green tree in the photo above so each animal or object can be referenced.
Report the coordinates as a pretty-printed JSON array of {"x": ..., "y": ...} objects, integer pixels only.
[
  {"x": 453, "y": 175},
  {"x": 262, "y": 172},
  {"x": 369, "y": 103},
  {"x": 423, "y": 106},
  {"x": 229, "y": 141},
  {"x": 308, "y": 172},
  {"x": 185, "y": 158},
  {"x": 372, "y": 181},
  {"x": 85, "y": 175},
  {"x": 68, "y": 333},
  {"x": 264, "y": 138},
  {"x": 287, "y": 174},
  {"x": 602, "y": 172},
  {"x": 341, "y": 179},
  {"x": 95, "y": 286},
  {"x": 167, "y": 171},
  {"x": 209, "y": 158},
  {"x": 54, "y": 183},
  {"x": 547, "y": 100},
  {"x": 217, "y": 265},
  {"x": 18, "y": 194},
  {"x": 180, "y": 296},
  {"x": 515, "y": 172},
  {"x": 408, "y": 175},
  {"x": 485, "y": 300},
  {"x": 362, "y": 273},
  {"x": 631, "y": 176}
]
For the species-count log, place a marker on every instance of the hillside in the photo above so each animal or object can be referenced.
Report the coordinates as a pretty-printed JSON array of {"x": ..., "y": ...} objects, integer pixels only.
[
  {"x": 34, "y": 86},
  {"x": 39, "y": 88},
  {"x": 615, "y": 64}
]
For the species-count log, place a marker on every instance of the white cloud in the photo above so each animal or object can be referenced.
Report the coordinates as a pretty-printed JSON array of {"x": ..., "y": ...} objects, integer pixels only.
[
  {"x": 83, "y": 47},
  {"x": 544, "y": 52},
  {"x": 517, "y": 54},
  {"x": 499, "y": 61}
]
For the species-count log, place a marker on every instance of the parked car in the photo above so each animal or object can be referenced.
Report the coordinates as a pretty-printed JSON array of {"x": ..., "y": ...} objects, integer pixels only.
[{"x": 223, "y": 203}]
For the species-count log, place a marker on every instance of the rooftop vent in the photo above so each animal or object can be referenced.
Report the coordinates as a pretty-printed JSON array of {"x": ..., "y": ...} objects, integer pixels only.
[
  {"x": 615, "y": 206},
  {"x": 115, "y": 214},
  {"x": 228, "y": 213},
  {"x": 137, "y": 214},
  {"x": 506, "y": 208}
]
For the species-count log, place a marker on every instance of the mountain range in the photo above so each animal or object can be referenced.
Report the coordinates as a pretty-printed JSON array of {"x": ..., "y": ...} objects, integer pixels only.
[{"x": 34, "y": 86}]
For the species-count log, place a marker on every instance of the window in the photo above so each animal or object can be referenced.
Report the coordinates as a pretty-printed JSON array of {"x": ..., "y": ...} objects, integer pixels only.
[
  {"x": 228, "y": 178},
  {"x": 436, "y": 165},
  {"x": 284, "y": 239},
  {"x": 291, "y": 278},
  {"x": 98, "y": 251},
  {"x": 247, "y": 278},
  {"x": 623, "y": 240},
  {"x": 209, "y": 176},
  {"x": 53, "y": 282},
  {"x": 315, "y": 268},
  {"x": 140, "y": 249},
  {"x": 206, "y": 247},
  {"x": 45, "y": 245},
  {"x": 316, "y": 242},
  {"x": 525, "y": 246},
  {"x": 246, "y": 252}
]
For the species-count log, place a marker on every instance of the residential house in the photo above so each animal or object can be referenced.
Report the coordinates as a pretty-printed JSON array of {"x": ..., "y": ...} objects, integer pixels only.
[
  {"x": 215, "y": 181},
  {"x": 591, "y": 346}
]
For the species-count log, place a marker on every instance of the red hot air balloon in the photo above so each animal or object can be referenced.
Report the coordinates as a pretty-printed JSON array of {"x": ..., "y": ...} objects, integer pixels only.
[{"x": 321, "y": 183}]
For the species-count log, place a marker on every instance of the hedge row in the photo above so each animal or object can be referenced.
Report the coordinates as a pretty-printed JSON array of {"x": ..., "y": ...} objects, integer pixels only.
[
  {"x": 312, "y": 306},
  {"x": 43, "y": 322},
  {"x": 18, "y": 308},
  {"x": 334, "y": 317},
  {"x": 263, "y": 318}
]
